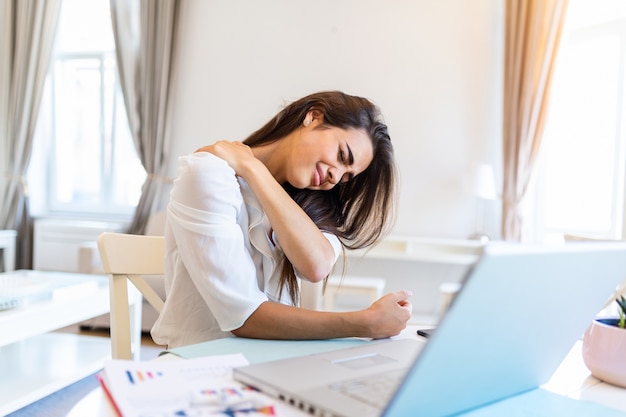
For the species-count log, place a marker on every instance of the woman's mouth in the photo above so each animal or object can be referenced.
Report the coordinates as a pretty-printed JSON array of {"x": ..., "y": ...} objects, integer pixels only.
[{"x": 318, "y": 177}]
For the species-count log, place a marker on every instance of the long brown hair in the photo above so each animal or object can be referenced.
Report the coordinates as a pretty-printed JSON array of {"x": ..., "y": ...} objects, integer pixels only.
[{"x": 360, "y": 211}]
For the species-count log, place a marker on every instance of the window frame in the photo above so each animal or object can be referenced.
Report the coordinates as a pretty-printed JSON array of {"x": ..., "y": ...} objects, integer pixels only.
[
  {"x": 44, "y": 171},
  {"x": 537, "y": 198}
]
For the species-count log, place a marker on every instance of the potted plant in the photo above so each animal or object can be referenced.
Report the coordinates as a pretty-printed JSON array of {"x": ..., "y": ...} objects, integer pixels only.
[{"x": 604, "y": 346}]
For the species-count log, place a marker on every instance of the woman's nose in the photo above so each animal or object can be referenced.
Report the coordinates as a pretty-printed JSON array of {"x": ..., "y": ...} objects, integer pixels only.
[{"x": 334, "y": 175}]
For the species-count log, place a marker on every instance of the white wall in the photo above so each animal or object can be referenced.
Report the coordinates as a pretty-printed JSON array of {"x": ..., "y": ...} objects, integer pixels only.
[{"x": 434, "y": 67}]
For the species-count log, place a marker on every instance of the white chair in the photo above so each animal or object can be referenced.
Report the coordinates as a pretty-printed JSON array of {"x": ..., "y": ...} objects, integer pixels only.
[
  {"x": 127, "y": 257},
  {"x": 89, "y": 262}
]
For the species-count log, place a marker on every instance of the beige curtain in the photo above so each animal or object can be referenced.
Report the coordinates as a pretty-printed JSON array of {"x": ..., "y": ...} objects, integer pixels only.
[
  {"x": 532, "y": 33},
  {"x": 144, "y": 33},
  {"x": 26, "y": 39}
]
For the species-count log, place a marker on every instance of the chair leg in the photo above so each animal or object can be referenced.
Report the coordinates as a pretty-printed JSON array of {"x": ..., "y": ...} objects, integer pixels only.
[
  {"x": 120, "y": 318},
  {"x": 136, "y": 307}
]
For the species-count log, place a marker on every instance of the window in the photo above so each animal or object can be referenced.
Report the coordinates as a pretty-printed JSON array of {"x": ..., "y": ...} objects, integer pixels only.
[
  {"x": 84, "y": 161},
  {"x": 580, "y": 189}
]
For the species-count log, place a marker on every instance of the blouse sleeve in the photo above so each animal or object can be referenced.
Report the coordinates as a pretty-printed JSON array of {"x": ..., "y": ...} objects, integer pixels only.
[{"x": 207, "y": 218}]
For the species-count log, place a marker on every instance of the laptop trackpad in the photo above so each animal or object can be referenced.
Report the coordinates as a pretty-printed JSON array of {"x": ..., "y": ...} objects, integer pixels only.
[{"x": 363, "y": 361}]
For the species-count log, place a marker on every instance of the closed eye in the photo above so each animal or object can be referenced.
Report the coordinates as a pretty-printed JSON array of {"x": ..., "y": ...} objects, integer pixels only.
[
  {"x": 342, "y": 156},
  {"x": 349, "y": 161}
]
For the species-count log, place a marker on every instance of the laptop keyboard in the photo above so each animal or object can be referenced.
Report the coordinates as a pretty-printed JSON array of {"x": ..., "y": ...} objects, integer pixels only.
[{"x": 375, "y": 390}]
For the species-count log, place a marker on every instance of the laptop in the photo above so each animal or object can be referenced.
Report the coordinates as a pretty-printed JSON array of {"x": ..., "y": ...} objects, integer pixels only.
[{"x": 520, "y": 310}]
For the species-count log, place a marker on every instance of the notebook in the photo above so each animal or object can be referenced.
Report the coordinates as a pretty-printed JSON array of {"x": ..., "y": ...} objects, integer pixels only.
[{"x": 519, "y": 312}]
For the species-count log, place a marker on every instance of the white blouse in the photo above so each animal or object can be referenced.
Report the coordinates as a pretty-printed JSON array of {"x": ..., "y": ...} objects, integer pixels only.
[{"x": 220, "y": 263}]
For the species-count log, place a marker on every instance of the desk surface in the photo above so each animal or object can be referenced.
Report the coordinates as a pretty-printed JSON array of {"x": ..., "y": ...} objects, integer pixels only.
[
  {"x": 572, "y": 378},
  {"x": 53, "y": 300}
]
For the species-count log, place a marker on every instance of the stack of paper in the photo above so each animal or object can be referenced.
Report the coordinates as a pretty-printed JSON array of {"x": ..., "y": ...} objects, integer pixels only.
[{"x": 181, "y": 388}]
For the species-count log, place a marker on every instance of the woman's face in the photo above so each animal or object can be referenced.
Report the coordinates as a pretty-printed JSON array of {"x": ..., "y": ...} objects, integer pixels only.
[{"x": 324, "y": 156}]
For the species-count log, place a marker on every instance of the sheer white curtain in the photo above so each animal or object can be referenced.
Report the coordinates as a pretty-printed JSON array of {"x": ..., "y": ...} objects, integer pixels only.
[
  {"x": 26, "y": 39},
  {"x": 144, "y": 33},
  {"x": 532, "y": 34}
]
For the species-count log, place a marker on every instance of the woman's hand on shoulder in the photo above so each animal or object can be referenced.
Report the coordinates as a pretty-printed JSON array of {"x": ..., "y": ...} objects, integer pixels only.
[{"x": 236, "y": 154}]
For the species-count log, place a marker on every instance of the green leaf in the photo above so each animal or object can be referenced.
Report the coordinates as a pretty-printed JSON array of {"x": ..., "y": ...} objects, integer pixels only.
[{"x": 622, "y": 303}]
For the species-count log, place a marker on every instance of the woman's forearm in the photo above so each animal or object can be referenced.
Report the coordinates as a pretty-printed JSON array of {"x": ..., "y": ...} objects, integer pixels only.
[
  {"x": 385, "y": 318},
  {"x": 303, "y": 243},
  {"x": 279, "y": 321}
]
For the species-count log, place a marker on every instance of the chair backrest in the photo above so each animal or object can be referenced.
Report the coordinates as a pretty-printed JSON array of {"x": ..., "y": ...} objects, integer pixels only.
[{"x": 127, "y": 257}]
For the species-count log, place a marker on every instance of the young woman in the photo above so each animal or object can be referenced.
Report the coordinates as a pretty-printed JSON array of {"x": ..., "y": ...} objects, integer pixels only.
[{"x": 247, "y": 220}]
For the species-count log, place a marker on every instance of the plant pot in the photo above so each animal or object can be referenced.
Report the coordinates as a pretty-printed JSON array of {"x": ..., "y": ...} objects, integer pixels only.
[{"x": 604, "y": 351}]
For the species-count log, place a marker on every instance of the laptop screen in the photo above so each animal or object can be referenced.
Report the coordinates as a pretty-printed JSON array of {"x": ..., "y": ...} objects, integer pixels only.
[{"x": 520, "y": 311}]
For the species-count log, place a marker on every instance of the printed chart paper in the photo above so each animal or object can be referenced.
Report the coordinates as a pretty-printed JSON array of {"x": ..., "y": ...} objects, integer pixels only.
[{"x": 182, "y": 388}]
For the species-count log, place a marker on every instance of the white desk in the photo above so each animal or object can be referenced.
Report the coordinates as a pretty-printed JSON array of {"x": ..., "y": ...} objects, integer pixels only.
[
  {"x": 37, "y": 362},
  {"x": 71, "y": 298},
  {"x": 572, "y": 379},
  {"x": 419, "y": 264},
  {"x": 424, "y": 249}
]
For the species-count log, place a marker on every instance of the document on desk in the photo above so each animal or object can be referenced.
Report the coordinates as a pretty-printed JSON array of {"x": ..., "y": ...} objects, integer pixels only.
[{"x": 178, "y": 388}]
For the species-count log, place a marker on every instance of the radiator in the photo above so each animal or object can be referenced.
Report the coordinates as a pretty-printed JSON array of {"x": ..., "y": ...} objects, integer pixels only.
[{"x": 57, "y": 242}]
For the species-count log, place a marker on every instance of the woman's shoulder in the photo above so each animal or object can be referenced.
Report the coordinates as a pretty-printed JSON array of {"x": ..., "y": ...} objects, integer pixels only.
[
  {"x": 203, "y": 158},
  {"x": 204, "y": 165},
  {"x": 203, "y": 161}
]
